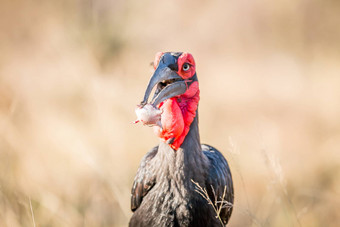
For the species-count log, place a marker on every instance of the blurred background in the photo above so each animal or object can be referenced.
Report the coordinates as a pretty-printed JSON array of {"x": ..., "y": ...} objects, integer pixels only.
[{"x": 73, "y": 71}]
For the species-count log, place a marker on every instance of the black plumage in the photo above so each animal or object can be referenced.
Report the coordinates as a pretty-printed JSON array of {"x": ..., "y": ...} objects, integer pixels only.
[{"x": 163, "y": 193}]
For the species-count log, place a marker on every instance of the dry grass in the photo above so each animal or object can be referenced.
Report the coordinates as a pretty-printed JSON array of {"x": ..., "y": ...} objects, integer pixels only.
[
  {"x": 32, "y": 213},
  {"x": 71, "y": 73},
  {"x": 219, "y": 202}
]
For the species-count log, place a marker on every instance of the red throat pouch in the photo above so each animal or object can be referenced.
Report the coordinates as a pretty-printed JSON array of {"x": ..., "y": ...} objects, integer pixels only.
[{"x": 177, "y": 115}]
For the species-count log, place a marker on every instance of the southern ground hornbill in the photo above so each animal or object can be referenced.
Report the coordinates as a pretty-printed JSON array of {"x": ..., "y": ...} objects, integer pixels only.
[{"x": 166, "y": 187}]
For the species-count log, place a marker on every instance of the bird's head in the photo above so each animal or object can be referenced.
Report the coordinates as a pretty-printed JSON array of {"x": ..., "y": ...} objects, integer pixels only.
[{"x": 176, "y": 95}]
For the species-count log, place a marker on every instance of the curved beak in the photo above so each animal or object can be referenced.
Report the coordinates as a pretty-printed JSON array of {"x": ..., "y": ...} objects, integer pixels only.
[{"x": 169, "y": 84}]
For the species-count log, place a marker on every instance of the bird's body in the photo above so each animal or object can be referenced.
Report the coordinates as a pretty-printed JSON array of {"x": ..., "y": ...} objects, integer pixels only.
[{"x": 165, "y": 191}]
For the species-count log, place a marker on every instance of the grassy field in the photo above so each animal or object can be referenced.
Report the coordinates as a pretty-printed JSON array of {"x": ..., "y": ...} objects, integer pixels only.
[{"x": 72, "y": 72}]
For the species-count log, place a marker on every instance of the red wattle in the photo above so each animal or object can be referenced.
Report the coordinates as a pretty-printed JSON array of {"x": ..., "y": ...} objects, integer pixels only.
[
  {"x": 171, "y": 120},
  {"x": 177, "y": 116}
]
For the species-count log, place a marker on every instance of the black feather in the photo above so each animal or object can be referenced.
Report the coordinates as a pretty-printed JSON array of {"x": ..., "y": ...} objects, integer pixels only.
[
  {"x": 163, "y": 193},
  {"x": 144, "y": 179}
]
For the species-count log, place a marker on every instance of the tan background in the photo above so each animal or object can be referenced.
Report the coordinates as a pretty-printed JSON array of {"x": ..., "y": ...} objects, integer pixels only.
[{"x": 71, "y": 73}]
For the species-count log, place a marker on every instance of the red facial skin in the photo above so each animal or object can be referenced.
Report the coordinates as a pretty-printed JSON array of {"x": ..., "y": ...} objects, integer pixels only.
[{"x": 179, "y": 112}]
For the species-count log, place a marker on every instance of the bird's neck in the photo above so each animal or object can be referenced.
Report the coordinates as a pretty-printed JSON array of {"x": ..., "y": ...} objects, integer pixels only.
[
  {"x": 186, "y": 163},
  {"x": 174, "y": 172}
]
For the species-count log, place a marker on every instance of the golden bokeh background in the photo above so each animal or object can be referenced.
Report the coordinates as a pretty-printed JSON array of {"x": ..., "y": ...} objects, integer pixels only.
[{"x": 72, "y": 72}]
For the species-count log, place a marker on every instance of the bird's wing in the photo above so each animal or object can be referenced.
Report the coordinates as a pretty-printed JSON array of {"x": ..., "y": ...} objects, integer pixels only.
[
  {"x": 144, "y": 179},
  {"x": 219, "y": 182}
]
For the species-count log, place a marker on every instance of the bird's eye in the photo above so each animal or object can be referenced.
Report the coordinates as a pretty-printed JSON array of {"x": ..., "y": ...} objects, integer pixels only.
[{"x": 186, "y": 66}]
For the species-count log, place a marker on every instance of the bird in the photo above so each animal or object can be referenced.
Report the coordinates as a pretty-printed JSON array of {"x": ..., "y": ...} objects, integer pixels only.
[{"x": 180, "y": 182}]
